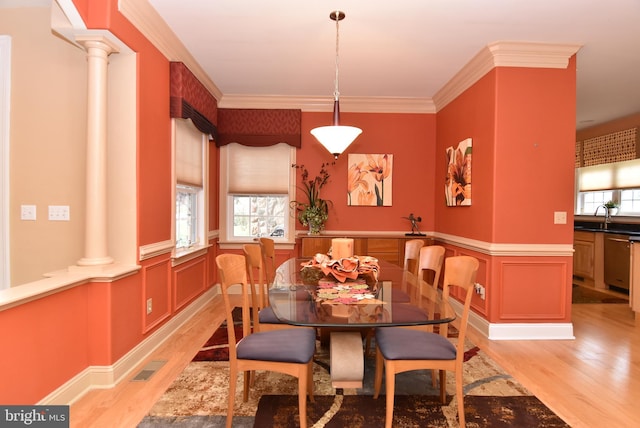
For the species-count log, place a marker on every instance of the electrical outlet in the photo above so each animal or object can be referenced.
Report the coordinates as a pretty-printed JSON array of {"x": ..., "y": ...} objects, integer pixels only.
[
  {"x": 59, "y": 212},
  {"x": 149, "y": 305},
  {"x": 479, "y": 289}
]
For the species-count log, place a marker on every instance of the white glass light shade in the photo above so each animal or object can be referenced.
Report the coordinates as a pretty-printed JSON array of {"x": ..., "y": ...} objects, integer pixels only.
[{"x": 336, "y": 138}]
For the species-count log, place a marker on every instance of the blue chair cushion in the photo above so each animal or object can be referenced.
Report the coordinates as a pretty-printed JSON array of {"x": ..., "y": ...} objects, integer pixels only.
[
  {"x": 266, "y": 316},
  {"x": 399, "y": 296},
  {"x": 294, "y": 345},
  {"x": 397, "y": 343},
  {"x": 403, "y": 313}
]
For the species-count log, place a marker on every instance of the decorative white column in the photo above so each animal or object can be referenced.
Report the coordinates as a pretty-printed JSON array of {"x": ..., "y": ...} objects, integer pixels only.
[{"x": 96, "y": 251}]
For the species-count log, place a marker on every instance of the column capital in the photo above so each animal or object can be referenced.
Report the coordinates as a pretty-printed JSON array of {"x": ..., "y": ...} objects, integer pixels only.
[{"x": 99, "y": 42}]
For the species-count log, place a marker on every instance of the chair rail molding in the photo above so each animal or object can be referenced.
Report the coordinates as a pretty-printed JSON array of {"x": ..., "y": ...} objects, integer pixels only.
[{"x": 157, "y": 248}]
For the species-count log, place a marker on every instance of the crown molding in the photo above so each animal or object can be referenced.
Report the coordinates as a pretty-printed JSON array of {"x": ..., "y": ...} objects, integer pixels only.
[
  {"x": 145, "y": 18},
  {"x": 325, "y": 104},
  {"x": 504, "y": 54}
]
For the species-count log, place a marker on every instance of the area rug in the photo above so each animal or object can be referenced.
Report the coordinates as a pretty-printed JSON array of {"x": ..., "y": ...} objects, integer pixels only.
[
  {"x": 360, "y": 411},
  {"x": 198, "y": 398},
  {"x": 217, "y": 347},
  {"x": 590, "y": 295}
]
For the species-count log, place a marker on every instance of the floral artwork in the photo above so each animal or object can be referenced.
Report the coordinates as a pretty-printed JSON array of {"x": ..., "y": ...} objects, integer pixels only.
[
  {"x": 457, "y": 185},
  {"x": 369, "y": 180}
]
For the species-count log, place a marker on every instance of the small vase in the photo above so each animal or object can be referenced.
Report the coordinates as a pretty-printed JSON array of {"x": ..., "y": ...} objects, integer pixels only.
[
  {"x": 612, "y": 211},
  {"x": 314, "y": 228}
]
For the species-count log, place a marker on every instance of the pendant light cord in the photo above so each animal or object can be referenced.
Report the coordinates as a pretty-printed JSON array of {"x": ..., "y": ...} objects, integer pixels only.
[{"x": 336, "y": 93}]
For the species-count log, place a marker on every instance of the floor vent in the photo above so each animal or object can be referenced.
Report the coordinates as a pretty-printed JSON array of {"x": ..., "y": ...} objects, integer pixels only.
[{"x": 148, "y": 371}]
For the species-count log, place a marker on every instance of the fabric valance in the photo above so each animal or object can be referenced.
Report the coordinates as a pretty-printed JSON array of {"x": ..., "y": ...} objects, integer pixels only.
[
  {"x": 259, "y": 127},
  {"x": 191, "y": 100}
]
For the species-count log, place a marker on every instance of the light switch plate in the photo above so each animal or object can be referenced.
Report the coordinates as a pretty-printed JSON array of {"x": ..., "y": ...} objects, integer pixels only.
[
  {"x": 560, "y": 217},
  {"x": 27, "y": 212}
]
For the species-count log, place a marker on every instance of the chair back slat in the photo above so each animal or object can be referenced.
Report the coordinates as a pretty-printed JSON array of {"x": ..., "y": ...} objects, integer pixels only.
[
  {"x": 460, "y": 272},
  {"x": 256, "y": 276},
  {"x": 412, "y": 254},
  {"x": 268, "y": 259},
  {"x": 431, "y": 259},
  {"x": 232, "y": 271}
]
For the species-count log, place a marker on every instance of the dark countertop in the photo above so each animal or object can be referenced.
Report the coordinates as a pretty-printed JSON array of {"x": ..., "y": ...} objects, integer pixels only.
[{"x": 631, "y": 230}]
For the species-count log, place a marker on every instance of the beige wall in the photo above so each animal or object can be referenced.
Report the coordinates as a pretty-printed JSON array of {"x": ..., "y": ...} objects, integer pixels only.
[{"x": 47, "y": 143}]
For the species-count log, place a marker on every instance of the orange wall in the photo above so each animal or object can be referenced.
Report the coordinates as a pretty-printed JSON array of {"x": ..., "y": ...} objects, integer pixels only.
[
  {"x": 44, "y": 344},
  {"x": 471, "y": 115},
  {"x": 535, "y": 154},
  {"x": 411, "y": 140},
  {"x": 610, "y": 127},
  {"x": 522, "y": 125}
]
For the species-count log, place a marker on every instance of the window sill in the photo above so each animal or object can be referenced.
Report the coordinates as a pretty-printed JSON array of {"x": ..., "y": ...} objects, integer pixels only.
[
  {"x": 184, "y": 255},
  {"x": 237, "y": 245},
  {"x": 56, "y": 282}
]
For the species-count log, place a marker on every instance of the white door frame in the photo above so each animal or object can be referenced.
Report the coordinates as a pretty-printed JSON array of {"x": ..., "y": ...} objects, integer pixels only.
[{"x": 5, "y": 107}]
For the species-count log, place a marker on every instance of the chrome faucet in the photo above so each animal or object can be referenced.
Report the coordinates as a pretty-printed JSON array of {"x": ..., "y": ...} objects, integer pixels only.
[{"x": 607, "y": 217}]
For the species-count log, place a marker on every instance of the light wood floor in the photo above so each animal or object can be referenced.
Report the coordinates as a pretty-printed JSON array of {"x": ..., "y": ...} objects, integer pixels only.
[{"x": 592, "y": 381}]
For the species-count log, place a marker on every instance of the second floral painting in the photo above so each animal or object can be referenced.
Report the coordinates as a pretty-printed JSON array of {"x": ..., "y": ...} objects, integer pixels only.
[
  {"x": 370, "y": 180},
  {"x": 457, "y": 184}
]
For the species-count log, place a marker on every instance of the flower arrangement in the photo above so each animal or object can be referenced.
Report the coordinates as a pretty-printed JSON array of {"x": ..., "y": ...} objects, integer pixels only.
[{"x": 315, "y": 210}]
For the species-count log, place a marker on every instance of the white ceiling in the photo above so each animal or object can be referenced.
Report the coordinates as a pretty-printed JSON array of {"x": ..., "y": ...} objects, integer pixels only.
[{"x": 404, "y": 48}]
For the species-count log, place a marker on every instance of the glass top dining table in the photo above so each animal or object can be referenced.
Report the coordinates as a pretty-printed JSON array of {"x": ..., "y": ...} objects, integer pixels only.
[{"x": 391, "y": 296}]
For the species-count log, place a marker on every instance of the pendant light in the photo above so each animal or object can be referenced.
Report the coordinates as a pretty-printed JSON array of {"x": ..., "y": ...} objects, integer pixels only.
[{"x": 336, "y": 138}]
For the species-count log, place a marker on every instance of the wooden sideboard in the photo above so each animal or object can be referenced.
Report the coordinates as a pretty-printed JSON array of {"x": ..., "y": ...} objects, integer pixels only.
[{"x": 389, "y": 248}]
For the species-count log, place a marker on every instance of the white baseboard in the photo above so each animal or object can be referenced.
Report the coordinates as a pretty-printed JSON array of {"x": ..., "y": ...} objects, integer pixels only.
[
  {"x": 518, "y": 331},
  {"x": 531, "y": 331},
  {"x": 103, "y": 377}
]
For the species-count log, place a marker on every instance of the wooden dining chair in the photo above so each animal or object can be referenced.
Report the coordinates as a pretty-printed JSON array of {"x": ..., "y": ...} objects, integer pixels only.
[
  {"x": 264, "y": 319},
  {"x": 412, "y": 249},
  {"x": 285, "y": 351},
  {"x": 430, "y": 263},
  {"x": 267, "y": 245},
  {"x": 399, "y": 349},
  {"x": 412, "y": 254}
]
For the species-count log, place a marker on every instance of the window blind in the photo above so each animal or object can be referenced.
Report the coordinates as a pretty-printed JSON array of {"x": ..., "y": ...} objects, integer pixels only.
[
  {"x": 188, "y": 153},
  {"x": 617, "y": 175},
  {"x": 258, "y": 170}
]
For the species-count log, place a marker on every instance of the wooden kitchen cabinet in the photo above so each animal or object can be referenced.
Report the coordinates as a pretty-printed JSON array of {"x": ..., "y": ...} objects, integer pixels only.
[
  {"x": 584, "y": 247},
  {"x": 390, "y": 249}
]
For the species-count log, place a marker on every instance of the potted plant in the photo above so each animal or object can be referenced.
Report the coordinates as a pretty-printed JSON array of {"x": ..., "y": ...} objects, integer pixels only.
[
  {"x": 612, "y": 206},
  {"x": 314, "y": 211}
]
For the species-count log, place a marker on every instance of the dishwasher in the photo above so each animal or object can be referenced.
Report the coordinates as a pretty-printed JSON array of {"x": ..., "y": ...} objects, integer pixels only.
[{"x": 617, "y": 260}]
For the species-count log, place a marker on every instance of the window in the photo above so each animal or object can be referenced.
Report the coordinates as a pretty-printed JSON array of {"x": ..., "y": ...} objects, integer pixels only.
[
  {"x": 618, "y": 181},
  {"x": 590, "y": 201},
  {"x": 630, "y": 201},
  {"x": 257, "y": 185},
  {"x": 190, "y": 170},
  {"x": 186, "y": 216},
  {"x": 259, "y": 215}
]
